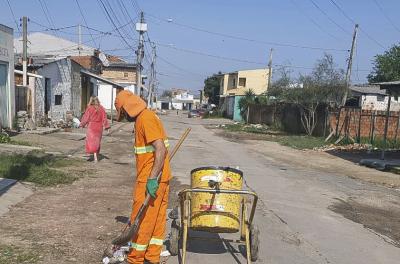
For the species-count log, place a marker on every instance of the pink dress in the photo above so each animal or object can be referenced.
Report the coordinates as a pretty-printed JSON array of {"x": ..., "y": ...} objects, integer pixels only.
[{"x": 97, "y": 120}]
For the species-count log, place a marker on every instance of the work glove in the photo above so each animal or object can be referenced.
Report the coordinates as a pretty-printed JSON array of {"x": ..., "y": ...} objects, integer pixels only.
[{"x": 152, "y": 187}]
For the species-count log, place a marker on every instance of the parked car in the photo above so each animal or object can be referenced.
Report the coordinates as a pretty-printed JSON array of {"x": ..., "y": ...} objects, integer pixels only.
[{"x": 197, "y": 113}]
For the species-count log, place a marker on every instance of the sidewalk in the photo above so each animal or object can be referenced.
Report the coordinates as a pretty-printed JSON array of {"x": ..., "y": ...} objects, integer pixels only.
[{"x": 11, "y": 193}]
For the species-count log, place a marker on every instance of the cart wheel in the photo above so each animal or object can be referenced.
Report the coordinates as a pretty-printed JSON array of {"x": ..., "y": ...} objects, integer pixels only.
[
  {"x": 174, "y": 239},
  {"x": 254, "y": 242}
]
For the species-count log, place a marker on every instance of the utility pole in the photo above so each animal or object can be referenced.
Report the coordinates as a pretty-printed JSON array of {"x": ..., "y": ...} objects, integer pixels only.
[
  {"x": 152, "y": 77},
  {"x": 79, "y": 39},
  {"x": 270, "y": 68},
  {"x": 141, "y": 28},
  {"x": 24, "y": 51},
  {"x": 349, "y": 65}
]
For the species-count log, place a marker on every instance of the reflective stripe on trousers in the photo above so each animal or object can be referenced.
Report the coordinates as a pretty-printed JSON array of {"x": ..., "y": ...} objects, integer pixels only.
[
  {"x": 148, "y": 148},
  {"x": 153, "y": 241}
]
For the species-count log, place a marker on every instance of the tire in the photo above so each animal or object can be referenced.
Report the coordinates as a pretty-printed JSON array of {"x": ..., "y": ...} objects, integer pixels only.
[
  {"x": 174, "y": 239},
  {"x": 254, "y": 242}
]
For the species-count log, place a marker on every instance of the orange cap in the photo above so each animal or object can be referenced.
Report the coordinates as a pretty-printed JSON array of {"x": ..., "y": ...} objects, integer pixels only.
[{"x": 130, "y": 103}]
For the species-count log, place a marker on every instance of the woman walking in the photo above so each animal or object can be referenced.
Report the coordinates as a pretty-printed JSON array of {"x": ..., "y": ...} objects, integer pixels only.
[{"x": 96, "y": 118}]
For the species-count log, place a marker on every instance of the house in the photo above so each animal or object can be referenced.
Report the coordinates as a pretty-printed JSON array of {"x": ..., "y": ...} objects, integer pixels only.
[
  {"x": 65, "y": 86},
  {"x": 237, "y": 83},
  {"x": 233, "y": 85},
  {"x": 181, "y": 100},
  {"x": 119, "y": 72},
  {"x": 371, "y": 97},
  {"x": 7, "y": 93},
  {"x": 60, "y": 91},
  {"x": 71, "y": 73}
]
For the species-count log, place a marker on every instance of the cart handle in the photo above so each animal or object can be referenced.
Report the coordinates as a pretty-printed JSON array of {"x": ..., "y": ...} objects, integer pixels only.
[{"x": 213, "y": 191}]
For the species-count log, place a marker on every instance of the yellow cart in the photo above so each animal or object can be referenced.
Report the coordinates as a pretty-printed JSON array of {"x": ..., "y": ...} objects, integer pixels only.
[{"x": 215, "y": 203}]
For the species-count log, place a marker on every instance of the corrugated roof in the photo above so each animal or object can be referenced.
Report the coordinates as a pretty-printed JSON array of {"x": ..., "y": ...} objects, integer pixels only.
[
  {"x": 121, "y": 65},
  {"x": 367, "y": 89},
  {"x": 41, "y": 43}
]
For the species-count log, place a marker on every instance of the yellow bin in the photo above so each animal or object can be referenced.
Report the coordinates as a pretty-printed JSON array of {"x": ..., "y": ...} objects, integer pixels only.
[{"x": 217, "y": 213}]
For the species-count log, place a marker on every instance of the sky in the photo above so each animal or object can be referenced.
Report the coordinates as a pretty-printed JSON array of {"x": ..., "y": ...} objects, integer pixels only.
[{"x": 195, "y": 39}]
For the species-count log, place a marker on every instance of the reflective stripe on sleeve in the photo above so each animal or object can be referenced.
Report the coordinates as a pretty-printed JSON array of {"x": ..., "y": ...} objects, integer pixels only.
[{"x": 148, "y": 148}]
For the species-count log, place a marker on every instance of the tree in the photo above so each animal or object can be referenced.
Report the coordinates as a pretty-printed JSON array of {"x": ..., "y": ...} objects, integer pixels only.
[
  {"x": 244, "y": 102},
  {"x": 283, "y": 82},
  {"x": 324, "y": 85},
  {"x": 386, "y": 66},
  {"x": 211, "y": 88},
  {"x": 167, "y": 93}
]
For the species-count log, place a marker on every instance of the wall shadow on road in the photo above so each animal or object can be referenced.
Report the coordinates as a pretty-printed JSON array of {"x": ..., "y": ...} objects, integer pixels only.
[
  {"x": 8, "y": 183},
  {"x": 355, "y": 156}
]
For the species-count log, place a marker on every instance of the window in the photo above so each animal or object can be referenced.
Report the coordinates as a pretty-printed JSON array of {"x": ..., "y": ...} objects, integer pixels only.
[
  {"x": 242, "y": 82},
  {"x": 58, "y": 99},
  {"x": 125, "y": 74},
  {"x": 234, "y": 82},
  {"x": 380, "y": 98}
]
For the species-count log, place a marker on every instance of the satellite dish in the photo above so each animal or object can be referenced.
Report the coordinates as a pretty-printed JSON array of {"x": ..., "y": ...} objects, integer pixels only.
[{"x": 104, "y": 59}]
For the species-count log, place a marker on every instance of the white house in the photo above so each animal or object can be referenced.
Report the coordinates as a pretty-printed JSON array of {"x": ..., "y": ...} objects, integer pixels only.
[
  {"x": 180, "y": 101},
  {"x": 7, "y": 91},
  {"x": 371, "y": 97}
]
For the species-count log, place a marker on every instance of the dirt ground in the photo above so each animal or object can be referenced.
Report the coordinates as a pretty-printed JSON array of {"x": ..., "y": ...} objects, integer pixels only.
[{"x": 74, "y": 223}]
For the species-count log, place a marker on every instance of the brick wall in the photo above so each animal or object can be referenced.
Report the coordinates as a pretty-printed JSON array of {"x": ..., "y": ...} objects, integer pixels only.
[
  {"x": 119, "y": 74},
  {"x": 365, "y": 123}
]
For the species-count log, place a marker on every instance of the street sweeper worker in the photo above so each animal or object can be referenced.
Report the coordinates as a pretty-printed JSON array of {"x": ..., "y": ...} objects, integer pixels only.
[{"x": 151, "y": 151}]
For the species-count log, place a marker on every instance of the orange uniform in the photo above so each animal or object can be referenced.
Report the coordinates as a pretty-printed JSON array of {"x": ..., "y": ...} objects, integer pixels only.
[{"x": 148, "y": 242}]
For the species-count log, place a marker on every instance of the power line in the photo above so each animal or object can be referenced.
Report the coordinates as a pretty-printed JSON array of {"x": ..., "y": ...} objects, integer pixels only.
[
  {"x": 84, "y": 20},
  {"x": 386, "y": 16},
  {"x": 246, "y": 39},
  {"x": 13, "y": 15},
  {"x": 51, "y": 28},
  {"x": 354, "y": 22},
  {"x": 330, "y": 19},
  {"x": 116, "y": 18},
  {"x": 115, "y": 26},
  {"x": 312, "y": 20},
  {"x": 209, "y": 55},
  {"x": 47, "y": 14},
  {"x": 177, "y": 67}
]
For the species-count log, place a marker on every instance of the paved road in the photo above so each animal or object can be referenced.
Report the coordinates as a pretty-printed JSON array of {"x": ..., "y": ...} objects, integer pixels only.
[{"x": 296, "y": 224}]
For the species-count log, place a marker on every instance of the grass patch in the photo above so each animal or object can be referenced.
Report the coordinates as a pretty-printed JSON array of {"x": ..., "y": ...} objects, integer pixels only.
[
  {"x": 20, "y": 142},
  {"x": 13, "y": 254},
  {"x": 258, "y": 129},
  {"x": 272, "y": 134},
  {"x": 302, "y": 142},
  {"x": 37, "y": 168}
]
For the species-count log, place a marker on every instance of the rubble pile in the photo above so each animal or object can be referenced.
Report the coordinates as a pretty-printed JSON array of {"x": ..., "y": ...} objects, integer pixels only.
[
  {"x": 349, "y": 147},
  {"x": 24, "y": 122}
]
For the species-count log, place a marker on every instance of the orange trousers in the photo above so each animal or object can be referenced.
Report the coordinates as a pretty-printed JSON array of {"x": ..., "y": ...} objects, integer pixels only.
[{"x": 148, "y": 242}]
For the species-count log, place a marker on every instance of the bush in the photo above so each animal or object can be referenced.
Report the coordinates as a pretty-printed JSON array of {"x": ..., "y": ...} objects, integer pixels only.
[{"x": 4, "y": 138}]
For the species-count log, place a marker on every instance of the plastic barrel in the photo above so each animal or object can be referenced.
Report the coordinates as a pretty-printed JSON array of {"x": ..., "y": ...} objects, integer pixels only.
[{"x": 216, "y": 213}]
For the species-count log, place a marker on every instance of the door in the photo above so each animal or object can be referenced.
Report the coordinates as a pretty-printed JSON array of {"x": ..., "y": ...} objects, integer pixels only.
[
  {"x": 47, "y": 95},
  {"x": 4, "y": 95}
]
